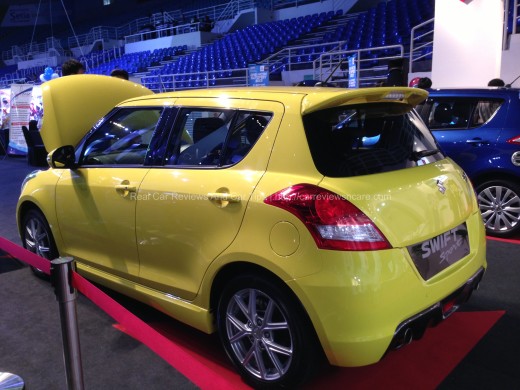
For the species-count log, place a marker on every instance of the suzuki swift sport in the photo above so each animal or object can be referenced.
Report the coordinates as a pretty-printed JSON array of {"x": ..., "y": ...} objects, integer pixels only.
[{"x": 298, "y": 222}]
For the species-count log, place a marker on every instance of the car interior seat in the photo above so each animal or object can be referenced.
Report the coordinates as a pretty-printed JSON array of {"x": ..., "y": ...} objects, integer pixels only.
[
  {"x": 36, "y": 152},
  {"x": 203, "y": 127},
  {"x": 254, "y": 125},
  {"x": 442, "y": 116},
  {"x": 460, "y": 115}
]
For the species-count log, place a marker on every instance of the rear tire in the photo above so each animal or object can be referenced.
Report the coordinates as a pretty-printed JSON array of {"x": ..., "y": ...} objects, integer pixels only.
[
  {"x": 266, "y": 333},
  {"x": 37, "y": 237},
  {"x": 499, "y": 202}
]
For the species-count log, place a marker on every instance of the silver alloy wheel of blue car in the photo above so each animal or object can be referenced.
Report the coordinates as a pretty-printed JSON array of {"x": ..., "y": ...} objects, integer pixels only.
[{"x": 499, "y": 204}]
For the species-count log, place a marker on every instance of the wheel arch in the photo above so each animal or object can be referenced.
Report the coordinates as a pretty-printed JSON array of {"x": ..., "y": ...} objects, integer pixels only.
[
  {"x": 24, "y": 207},
  {"x": 229, "y": 271},
  {"x": 493, "y": 176}
]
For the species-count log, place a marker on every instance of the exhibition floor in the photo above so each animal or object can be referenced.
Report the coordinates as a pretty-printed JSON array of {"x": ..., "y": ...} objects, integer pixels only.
[{"x": 475, "y": 348}]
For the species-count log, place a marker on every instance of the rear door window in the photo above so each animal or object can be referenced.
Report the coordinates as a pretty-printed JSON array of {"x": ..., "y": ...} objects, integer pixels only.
[
  {"x": 367, "y": 139},
  {"x": 458, "y": 113},
  {"x": 214, "y": 137}
]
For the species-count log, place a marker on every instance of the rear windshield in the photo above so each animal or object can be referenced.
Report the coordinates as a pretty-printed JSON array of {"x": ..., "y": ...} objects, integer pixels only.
[{"x": 368, "y": 138}]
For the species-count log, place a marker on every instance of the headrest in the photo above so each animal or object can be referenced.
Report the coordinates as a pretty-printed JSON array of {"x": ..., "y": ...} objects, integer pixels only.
[
  {"x": 205, "y": 126},
  {"x": 443, "y": 113}
]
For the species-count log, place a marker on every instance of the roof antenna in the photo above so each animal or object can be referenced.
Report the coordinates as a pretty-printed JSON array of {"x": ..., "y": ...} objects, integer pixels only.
[{"x": 511, "y": 83}]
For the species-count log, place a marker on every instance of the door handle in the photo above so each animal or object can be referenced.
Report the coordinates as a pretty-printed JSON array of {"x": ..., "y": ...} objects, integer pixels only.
[
  {"x": 477, "y": 141},
  {"x": 124, "y": 189},
  {"x": 223, "y": 199}
]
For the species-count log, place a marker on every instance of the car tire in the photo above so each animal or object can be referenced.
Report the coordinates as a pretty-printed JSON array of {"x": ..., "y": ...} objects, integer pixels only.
[
  {"x": 37, "y": 237},
  {"x": 267, "y": 357},
  {"x": 499, "y": 203}
]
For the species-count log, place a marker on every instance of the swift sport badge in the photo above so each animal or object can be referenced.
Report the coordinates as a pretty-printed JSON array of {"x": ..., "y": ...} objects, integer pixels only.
[{"x": 440, "y": 186}]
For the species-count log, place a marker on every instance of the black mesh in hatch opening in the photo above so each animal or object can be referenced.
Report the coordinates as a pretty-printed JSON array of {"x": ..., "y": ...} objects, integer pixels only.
[{"x": 368, "y": 138}]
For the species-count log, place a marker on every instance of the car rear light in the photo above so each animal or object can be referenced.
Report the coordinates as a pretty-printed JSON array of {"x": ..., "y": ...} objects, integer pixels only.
[
  {"x": 514, "y": 140},
  {"x": 333, "y": 221}
]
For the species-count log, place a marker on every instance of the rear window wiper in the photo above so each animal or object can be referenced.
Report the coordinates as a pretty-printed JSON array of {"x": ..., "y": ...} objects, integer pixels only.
[{"x": 416, "y": 156}]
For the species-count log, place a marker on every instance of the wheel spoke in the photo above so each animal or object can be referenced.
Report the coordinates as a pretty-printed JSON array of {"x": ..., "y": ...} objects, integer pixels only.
[
  {"x": 259, "y": 361},
  {"x": 273, "y": 347},
  {"x": 251, "y": 307},
  {"x": 243, "y": 307},
  {"x": 271, "y": 352},
  {"x": 242, "y": 329}
]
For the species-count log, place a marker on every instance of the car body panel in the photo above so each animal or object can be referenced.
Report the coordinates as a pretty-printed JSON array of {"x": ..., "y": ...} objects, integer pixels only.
[
  {"x": 76, "y": 107},
  {"x": 169, "y": 244},
  {"x": 395, "y": 211},
  {"x": 168, "y": 196}
]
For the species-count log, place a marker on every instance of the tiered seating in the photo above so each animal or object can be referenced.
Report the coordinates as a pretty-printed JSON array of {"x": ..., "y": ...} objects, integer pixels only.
[{"x": 140, "y": 61}]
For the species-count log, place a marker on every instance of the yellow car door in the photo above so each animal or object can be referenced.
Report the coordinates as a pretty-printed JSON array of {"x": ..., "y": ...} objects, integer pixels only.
[
  {"x": 95, "y": 203},
  {"x": 96, "y": 213},
  {"x": 190, "y": 210}
]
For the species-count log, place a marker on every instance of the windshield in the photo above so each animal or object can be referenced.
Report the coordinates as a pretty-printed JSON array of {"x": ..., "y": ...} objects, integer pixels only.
[{"x": 369, "y": 138}]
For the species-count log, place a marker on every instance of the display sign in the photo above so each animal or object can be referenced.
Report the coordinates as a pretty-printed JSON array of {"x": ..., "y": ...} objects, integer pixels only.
[
  {"x": 352, "y": 72},
  {"x": 258, "y": 75},
  {"x": 21, "y": 96}
]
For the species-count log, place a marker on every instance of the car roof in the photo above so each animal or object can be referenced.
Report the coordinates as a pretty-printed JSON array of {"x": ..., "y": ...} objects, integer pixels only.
[
  {"x": 73, "y": 104},
  {"x": 475, "y": 91},
  {"x": 312, "y": 98}
]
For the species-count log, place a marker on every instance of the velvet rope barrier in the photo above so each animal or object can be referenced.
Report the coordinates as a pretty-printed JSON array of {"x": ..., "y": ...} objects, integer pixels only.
[{"x": 201, "y": 374}]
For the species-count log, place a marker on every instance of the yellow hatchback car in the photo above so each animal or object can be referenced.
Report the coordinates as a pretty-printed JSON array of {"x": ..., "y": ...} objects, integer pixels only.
[{"x": 297, "y": 222}]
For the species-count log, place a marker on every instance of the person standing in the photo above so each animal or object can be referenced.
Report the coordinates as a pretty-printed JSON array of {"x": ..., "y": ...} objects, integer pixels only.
[
  {"x": 120, "y": 73},
  {"x": 71, "y": 67}
]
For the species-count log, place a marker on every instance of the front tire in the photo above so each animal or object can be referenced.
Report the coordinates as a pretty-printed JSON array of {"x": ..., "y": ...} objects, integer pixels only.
[
  {"x": 266, "y": 333},
  {"x": 37, "y": 237},
  {"x": 499, "y": 202}
]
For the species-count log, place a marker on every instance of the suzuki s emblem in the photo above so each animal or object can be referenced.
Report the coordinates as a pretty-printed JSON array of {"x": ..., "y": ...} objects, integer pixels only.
[{"x": 440, "y": 186}]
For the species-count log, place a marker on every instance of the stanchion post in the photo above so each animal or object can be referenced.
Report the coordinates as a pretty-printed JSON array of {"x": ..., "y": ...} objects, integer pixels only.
[{"x": 61, "y": 276}]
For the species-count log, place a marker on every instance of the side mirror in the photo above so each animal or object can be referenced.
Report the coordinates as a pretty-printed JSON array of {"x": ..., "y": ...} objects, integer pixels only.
[{"x": 62, "y": 157}]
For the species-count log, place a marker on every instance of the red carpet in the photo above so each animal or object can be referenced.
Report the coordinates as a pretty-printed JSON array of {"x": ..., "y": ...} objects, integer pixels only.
[
  {"x": 423, "y": 364},
  {"x": 514, "y": 240}
]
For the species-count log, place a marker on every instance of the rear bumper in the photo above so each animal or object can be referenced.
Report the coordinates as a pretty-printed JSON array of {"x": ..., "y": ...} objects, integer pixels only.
[
  {"x": 414, "y": 327},
  {"x": 362, "y": 303}
]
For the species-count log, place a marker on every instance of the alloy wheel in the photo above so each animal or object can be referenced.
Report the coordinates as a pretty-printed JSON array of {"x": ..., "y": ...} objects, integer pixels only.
[
  {"x": 500, "y": 208},
  {"x": 37, "y": 238},
  {"x": 259, "y": 334}
]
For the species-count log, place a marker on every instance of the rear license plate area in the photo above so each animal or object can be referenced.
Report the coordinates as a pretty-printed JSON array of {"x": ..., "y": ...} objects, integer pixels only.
[{"x": 437, "y": 253}]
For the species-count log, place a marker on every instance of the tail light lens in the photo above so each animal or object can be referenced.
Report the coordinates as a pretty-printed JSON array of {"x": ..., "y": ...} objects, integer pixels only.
[
  {"x": 514, "y": 140},
  {"x": 333, "y": 221}
]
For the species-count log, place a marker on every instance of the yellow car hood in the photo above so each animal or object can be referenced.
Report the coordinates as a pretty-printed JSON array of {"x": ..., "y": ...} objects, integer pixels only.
[{"x": 73, "y": 104}]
